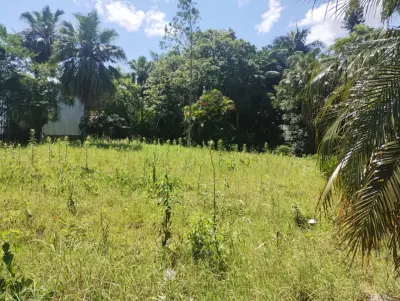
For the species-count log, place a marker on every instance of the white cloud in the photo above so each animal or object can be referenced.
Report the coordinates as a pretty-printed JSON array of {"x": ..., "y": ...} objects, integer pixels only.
[
  {"x": 242, "y": 2},
  {"x": 270, "y": 17},
  {"x": 325, "y": 25},
  {"x": 99, "y": 6},
  {"x": 125, "y": 15},
  {"x": 155, "y": 23}
]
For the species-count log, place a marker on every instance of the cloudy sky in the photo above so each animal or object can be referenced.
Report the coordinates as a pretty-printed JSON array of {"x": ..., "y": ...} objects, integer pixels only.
[{"x": 140, "y": 23}]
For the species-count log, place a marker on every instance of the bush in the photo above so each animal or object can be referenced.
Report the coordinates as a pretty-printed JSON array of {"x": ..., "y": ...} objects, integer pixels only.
[
  {"x": 284, "y": 150},
  {"x": 206, "y": 245}
]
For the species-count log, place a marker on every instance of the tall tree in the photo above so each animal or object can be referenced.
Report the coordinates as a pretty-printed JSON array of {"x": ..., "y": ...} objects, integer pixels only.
[
  {"x": 141, "y": 69},
  {"x": 295, "y": 41},
  {"x": 41, "y": 34},
  {"x": 353, "y": 18},
  {"x": 3, "y": 34},
  {"x": 298, "y": 131},
  {"x": 26, "y": 101},
  {"x": 181, "y": 30},
  {"x": 85, "y": 54}
]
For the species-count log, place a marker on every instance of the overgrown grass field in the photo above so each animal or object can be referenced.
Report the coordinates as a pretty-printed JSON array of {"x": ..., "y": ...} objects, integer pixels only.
[{"x": 133, "y": 221}]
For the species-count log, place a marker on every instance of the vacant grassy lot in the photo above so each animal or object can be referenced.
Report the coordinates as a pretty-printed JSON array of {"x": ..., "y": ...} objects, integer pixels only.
[{"x": 88, "y": 223}]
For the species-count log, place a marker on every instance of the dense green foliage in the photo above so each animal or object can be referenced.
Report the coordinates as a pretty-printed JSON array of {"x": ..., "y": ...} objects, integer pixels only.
[
  {"x": 26, "y": 101},
  {"x": 153, "y": 103}
]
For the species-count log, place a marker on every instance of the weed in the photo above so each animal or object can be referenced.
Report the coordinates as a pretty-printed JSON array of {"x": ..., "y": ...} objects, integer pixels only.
[
  {"x": 299, "y": 218},
  {"x": 206, "y": 245},
  {"x": 204, "y": 239},
  {"x": 72, "y": 205},
  {"x": 86, "y": 144},
  {"x": 154, "y": 168},
  {"x": 12, "y": 284},
  {"x": 164, "y": 189},
  {"x": 32, "y": 143},
  {"x": 105, "y": 233},
  {"x": 48, "y": 142},
  {"x": 66, "y": 142}
]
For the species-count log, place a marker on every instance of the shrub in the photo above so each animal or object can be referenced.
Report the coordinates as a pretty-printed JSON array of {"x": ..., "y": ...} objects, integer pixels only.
[
  {"x": 284, "y": 150},
  {"x": 206, "y": 245}
]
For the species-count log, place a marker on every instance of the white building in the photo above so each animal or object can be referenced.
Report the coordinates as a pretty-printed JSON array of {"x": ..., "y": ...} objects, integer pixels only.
[{"x": 68, "y": 122}]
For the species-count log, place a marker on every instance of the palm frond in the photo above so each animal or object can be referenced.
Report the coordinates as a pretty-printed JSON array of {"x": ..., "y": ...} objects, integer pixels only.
[
  {"x": 58, "y": 14},
  {"x": 373, "y": 215},
  {"x": 108, "y": 35},
  {"x": 27, "y": 16},
  {"x": 360, "y": 125}
]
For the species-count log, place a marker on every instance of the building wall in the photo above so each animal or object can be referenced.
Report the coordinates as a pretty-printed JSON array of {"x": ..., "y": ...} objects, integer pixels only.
[{"x": 68, "y": 122}]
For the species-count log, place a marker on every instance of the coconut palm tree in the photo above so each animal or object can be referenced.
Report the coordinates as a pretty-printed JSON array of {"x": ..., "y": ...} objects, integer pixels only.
[
  {"x": 41, "y": 34},
  {"x": 360, "y": 123},
  {"x": 141, "y": 69},
  {"x": 296, "y": 41},
  {"x": 3, "y": 34},
  {"x": 85, "y": 54}
]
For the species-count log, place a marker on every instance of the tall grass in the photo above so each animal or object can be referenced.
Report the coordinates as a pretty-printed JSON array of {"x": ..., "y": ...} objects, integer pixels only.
[{"x": 84, "y": 224}]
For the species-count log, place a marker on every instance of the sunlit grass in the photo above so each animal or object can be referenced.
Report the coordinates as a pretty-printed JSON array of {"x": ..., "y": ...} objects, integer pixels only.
[{"x": 94, "y": 232}]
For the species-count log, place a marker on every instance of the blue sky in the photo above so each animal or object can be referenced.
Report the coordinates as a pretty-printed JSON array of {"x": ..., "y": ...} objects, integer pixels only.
[{"x": 140, "y": 23}]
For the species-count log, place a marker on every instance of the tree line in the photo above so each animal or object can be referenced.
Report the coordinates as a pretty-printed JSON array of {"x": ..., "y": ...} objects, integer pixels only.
[{"x": 204, "y": 85}]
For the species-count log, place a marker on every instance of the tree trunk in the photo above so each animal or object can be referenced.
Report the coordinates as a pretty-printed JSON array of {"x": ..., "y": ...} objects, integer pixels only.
[{"x": 191, "y": 83}]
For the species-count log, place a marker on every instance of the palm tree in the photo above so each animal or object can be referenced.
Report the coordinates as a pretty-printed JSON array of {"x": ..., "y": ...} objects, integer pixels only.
[
  {"x": 360, "y": 123},
  {"x": 85, "y": 54},
  {"x": 296, "y": 41},
  {"x": 3, "y": 34},
  {"x": 41, "y": 34},
  {"x": 141, "y": 69}
]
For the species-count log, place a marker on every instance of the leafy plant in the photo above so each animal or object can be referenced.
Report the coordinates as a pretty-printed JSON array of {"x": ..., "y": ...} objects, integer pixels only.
[
  {"x": 32, "y": 143},
  {"x": 299, "y": 218},
  {"x": 211, "y": 117},
  {"x": 72, "y": 205},
  {"x": 164, "y": 189},
  {"x": 207, "y": 246},
  {"x": 12, "y": 283},
  {"x": 284, "y": 150}
]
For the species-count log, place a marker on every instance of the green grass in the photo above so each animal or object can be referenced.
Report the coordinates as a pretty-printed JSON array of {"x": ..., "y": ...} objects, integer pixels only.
[{"x": 94, "y": 233}]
